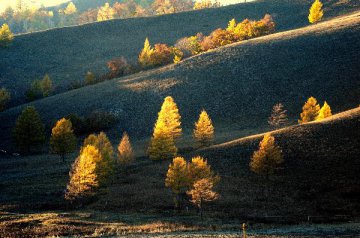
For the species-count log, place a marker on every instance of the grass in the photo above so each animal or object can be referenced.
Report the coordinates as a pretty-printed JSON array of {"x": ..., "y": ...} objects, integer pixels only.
[{"x": 66, "y": 54}]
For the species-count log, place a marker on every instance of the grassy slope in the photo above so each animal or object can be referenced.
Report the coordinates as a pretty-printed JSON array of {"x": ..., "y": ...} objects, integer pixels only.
[
  {"x": 237, "y": 84},
  {"x": 319, "y": 178},
  {"x": 68, "y": 53}
]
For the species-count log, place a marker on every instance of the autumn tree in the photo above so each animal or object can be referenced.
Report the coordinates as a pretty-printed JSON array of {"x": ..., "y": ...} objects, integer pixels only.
[
  {"x": 316, "y": 13},
  {"x": 70, "y": 9},
  {"x": 177, "y": 179},
  {"x": 29, "y": 130},
  {"x": 63, "y": 140},
  {"x": 278, "y": 116},
  {"x": 125, "y": 151},
  {"x": 6, "y": 36},
  {"x": 46, "y": 86},
  {"x": 145, "y": 54},
  {"x": 4, "y": 98},
  {"x": 90, "y": 78},
  {"x": 200, "y": 169},
  {"x": 105, "y": 167},
  {"x": 119, "y": 67},
  {"x": 105, "y": 13},
  {"x": 201, "y": 193},
  {"x": 84, "y": 179},
  {"x": 267, "y": 158},
  {"x": 204, "y": 130},
  {"x": 167, "y": 129},
  {"x": 310, "y": 111},
  {"x": 324, "y": 112},
  {"x": 162, "y": 55}
]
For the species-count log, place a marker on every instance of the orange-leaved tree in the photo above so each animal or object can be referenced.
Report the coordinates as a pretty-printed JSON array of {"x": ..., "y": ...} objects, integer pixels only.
[{"x": 125, "y": 151}]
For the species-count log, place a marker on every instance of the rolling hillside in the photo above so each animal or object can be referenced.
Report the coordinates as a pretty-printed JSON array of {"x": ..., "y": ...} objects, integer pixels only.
[
  {"x": 68, "y": 53},
  {"x": 237, "y": 84}
]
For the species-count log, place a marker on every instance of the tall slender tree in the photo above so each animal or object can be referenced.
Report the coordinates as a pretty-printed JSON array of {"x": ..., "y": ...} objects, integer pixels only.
[
  {"x": 316, "y": 13},
  {"x": 145, "y": 54},
  {"x": 324, "y": 112},
  {"x": 204, "y": 130},
  {"x": 310, "y": 111},
  {"x": 278, "y": 116},
  {"x": 125, "y": 151}
]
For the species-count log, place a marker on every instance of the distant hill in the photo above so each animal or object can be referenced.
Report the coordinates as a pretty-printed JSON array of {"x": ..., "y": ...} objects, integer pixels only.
[
  {"x": 66, "y": 54},
  {"x": 237, "y": 84}
]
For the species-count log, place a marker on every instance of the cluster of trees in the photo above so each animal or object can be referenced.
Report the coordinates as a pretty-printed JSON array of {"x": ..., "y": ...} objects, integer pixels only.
[
  {"x": 24, "y": 18},
  {"x": 167, "y": 131},
  {"x": 311, "y": 111},
  {"x": 40, "y": 88}
]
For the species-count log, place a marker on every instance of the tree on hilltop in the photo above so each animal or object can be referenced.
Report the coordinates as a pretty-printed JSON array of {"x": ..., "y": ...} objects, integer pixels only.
[
  {"x": 310, "y": 111},
  {"x": 316, "y": 13}
]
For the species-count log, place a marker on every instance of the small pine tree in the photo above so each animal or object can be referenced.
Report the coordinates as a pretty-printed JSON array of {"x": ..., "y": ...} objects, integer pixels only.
[
  {"x": 46, "y": 86},
  {"x": 200, "y": 169},
  {"x": 316, "y": 13},
  {"x": 177, "y": 178},
  {"x": 145, "y": 54},
  {"x": 231, "y": 26},
  {"x": 202, "y": 192},
  {"x": 29, "y": 130},
  {"x": 90, "y": 78},
  {"x": 125, "y": 151},
  {"x": 83, "y": 174},
  {"x": 278, "y": 116},
  {"x": 324, "y": 112},
  {"x": 63, "y": 140},
  {"x": 269, "y": 156},
  {"x": 169, "y": 114},
  {"x": 6, "y": 36},
  {"x": 4, "y": 98},
  {"x": 106, "y": 166},
  {"x": 204, "y": 130},
  {"x": 310, "y": 111}
]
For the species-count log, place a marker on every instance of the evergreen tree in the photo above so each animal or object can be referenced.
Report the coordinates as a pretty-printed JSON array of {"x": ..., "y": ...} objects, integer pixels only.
[
  {"x": 169, "y": 114},
  {"x": 84, "y": 179},
  {"x": 46, "y": 86},
  {"x": 145, "y": 54},
  {"x": 269, "y": 156},
  {"x": 310, "y": 111},
  {"x": 63, "y": 140},
  {"x": 125, "y": 151},
  {"x": 6, "y": 36},
  {"x": 204, "y": 130},
  {"x": 324, "y": 112},
  {"x": 316, "y": 13},
  {"x": 202, "y": 192},
  {"x": 278, "y": 116},
  {"x": 105, "y": 167},
  {"x": 200, "y": 169},
  {"x": 90, "y": 78},
  {"x": 29, "y": 130},
  {"x": 177, "y": 178},
  {"x": 4, "y": 98}
]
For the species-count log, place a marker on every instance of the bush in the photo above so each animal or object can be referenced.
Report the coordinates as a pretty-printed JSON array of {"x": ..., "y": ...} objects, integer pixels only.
[
  {"x": 4, "y": 98},
  {"x": 90, "y": 78},
  {"x": 119, "y": 67},
  {"x": 217, "y": 38},
  {"x": 190, "y": 45},
  {"x": 162, "y": 55}
]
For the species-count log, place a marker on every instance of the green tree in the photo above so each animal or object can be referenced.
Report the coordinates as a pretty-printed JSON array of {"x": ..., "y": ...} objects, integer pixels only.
[
  {"x": 6, "y": 36},
  {"x": 316, "y": 13},
  {"x": 35, "y": 91},
  {"x": 29, "y": 130},
  {"x": 4, "y": 98},
  {"x": 46, "y": 86},
  {"x": 204, "y": 130},
  {"x": 63, "y": 140},
  {"x": 310, "y": 111}
]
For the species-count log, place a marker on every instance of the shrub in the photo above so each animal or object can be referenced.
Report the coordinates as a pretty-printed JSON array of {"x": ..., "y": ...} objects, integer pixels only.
[
  {"x": 119, "y": 67},
  {"x": 217, "y": 38},
  {"x": 90, "y": 78},
  {"x": 29, "y": 131},
  {"x": 190, "y": 45},
  {"x": 161, "y": 55},
  {"x": 4, "y": 98},
  {"x": 6, "y": 36}
]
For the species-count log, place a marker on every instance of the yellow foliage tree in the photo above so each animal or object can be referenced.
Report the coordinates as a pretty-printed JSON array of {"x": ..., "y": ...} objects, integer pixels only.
[
  {"x": 125, "y": 151},
  {"x": 177, "y": 178},
  {"x": 105, "y": 167},
  {"x": 63, "y": 140},
  {"x": 269, "y": 156},
  {"x": 202, "y": 192},
  {"x": 310, "y": 111},
  {"x": 83, "y": 174},
  {"x": 200, "y": 169},
  {"x": 105, "y": 13},
  {"x": 316, "y": 13},
  {"x": 145, "y": 54},
  {"x": 6, "y": 36},
  {"x": 232, "y": 25},
  {"x": 324, "y": 112},
  {"x": 167, "y": 129},
  {"x": 70, "y": 9},
  {"x": 204, "y": 130}
]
